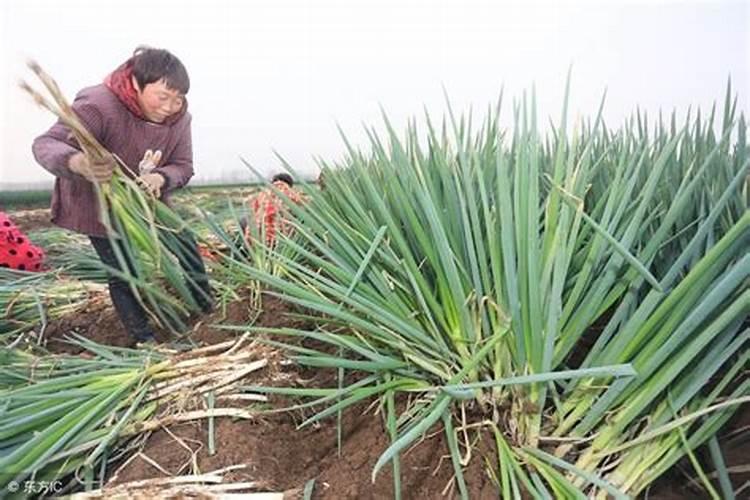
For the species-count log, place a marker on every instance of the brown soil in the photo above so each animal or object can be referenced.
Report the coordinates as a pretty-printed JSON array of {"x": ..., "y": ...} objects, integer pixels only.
[
  {"x": 283, "y": 458},
  {"x": 274, "y": 313},
  {"x": 96, "y": 321}
]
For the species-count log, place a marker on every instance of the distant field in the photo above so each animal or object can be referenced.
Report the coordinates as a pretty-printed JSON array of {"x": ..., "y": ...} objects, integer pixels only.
[
  {"x": 14, "y": 200},
  {"x": 40, "y": 198}
]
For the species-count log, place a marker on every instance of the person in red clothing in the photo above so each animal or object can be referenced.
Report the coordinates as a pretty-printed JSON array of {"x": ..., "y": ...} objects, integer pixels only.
[
  {"x": 16, "y": 251},
  {"x": 270, "y": 214}
]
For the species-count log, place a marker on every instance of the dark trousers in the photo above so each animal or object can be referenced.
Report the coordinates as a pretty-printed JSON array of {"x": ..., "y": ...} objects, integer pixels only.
[{"x": 129, "y": 310}]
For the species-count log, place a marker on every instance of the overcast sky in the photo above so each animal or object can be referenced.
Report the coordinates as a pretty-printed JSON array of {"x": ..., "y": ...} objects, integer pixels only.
[{"x": 281, "y": 74}]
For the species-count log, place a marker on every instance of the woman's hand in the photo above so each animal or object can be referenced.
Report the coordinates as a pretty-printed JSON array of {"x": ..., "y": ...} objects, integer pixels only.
[
  {"x": 152, "y": 183},
  {"x": 149, "y": 162},
  {"x": 93, "y": 171}
]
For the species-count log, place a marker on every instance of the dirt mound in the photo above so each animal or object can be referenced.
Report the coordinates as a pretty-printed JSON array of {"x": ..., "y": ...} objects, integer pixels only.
[
  {"x": 97, "y": 321},
  {"x": 281, "y": 457},
  {"x": 273, "y": 312}
]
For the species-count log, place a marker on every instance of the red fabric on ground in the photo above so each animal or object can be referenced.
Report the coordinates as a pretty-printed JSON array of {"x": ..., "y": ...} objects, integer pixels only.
[{"x": 16, "y": 251}]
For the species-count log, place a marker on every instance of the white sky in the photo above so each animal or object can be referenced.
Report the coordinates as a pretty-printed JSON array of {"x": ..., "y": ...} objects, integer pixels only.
[{"x": 280, "y": 74}]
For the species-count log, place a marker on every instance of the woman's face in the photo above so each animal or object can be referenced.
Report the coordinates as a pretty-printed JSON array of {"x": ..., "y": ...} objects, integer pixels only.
[{"x": 157, "y": 101}]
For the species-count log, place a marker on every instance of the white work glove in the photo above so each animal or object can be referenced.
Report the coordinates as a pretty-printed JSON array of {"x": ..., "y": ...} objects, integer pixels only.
[
  {"x": 151, "y": 181},
  {"x": 149, "y": 162}
]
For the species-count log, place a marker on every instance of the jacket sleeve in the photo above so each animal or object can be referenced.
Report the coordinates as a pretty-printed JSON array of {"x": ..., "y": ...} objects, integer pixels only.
[
  {"x": 54, "y": 148},
  {"x": 178, "y": 168}
]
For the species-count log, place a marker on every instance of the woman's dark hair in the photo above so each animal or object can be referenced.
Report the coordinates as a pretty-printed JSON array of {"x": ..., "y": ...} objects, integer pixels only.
[
  {"x": 152, "y": 65},
  {"x": 283, "y": 178}
]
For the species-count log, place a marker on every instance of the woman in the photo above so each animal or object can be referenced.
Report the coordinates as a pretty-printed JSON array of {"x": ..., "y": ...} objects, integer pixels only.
[{"x": 140, "y": 115}]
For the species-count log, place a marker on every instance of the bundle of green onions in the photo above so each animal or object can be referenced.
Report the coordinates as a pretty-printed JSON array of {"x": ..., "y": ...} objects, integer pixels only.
[
  {"x": 31, "y": 300},
  {"x": 144, "y": 232},
  {"x": 66, "y": 414},
  {"x": 470, "y": 275},
  {"x": 69, "y": 253}
]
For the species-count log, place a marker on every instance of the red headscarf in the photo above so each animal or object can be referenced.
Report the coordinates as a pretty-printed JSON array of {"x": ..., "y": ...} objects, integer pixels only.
[{"x": 120, "y": 82}]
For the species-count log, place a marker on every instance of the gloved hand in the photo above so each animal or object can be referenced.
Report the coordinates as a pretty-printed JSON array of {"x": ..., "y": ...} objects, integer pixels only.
[
  {"x": 149, "y": 162},
  {"x": 151, "y": 181},
  {"x": 99, "y": 170}
]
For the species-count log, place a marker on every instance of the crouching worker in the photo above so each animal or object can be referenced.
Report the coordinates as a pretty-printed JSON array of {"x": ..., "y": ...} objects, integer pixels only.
[
  {"x": 269, "y": 211},
  {"x": 140, "y": 115}
]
